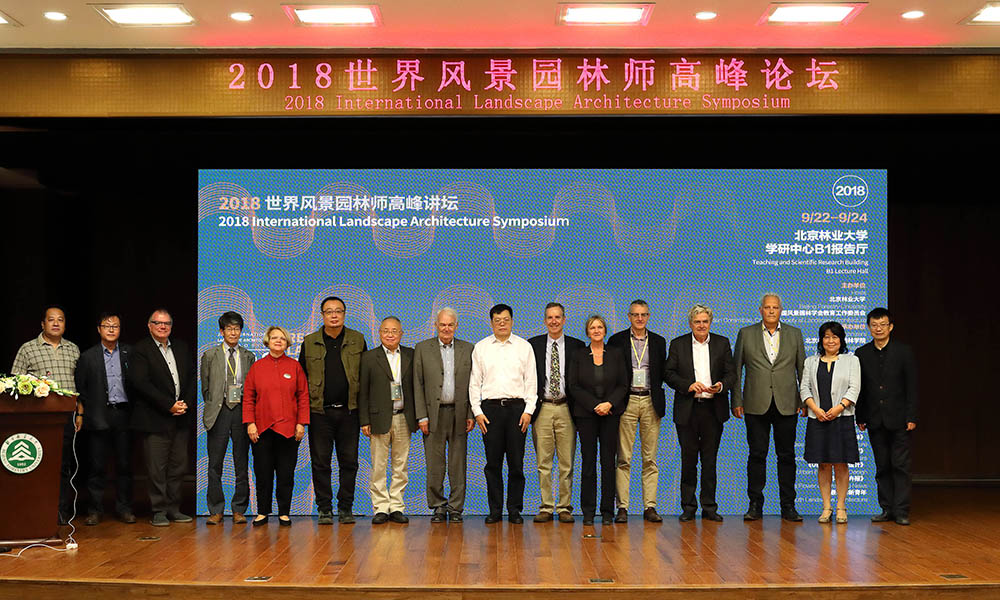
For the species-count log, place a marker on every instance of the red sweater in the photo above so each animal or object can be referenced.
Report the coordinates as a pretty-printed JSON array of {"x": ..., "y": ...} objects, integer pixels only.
[{"x": 276, "y": 395}]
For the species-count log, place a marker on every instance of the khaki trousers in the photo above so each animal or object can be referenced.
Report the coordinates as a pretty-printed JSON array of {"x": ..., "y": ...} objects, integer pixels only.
[
  {"x": 397, "y": 444},
  {"x": 554, "y": 435},
  {"x": 639, "y": 415}
]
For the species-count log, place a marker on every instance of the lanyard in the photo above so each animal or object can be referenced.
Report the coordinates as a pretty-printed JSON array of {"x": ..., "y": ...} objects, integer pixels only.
[
  {"x": 397, "y": 357},
  {"x": 235, "y": 356},
  {"x": 638, "y": 357}
]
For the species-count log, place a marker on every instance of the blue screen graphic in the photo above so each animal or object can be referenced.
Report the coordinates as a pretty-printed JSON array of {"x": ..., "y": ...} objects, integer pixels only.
[{"x": 273, "y": 243}]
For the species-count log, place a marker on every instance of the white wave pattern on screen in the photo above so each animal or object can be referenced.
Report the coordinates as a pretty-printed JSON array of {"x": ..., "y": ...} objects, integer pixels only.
[
  {"x": 210, "y": 200},
  {"x": 584, "y": 301},
  {"x": 472, "y": 304},
  {"x": 358, "y": 303}
]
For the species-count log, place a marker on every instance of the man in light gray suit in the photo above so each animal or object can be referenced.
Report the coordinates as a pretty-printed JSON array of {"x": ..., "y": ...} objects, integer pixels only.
[
  {"x": 223, "y": 369},
  {"x": 441, "y": 368},
  {"x": 772, "y": 353}
]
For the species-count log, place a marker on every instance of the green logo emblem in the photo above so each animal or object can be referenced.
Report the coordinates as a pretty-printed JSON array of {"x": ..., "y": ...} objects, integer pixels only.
[{"x": 21, "y": 453}]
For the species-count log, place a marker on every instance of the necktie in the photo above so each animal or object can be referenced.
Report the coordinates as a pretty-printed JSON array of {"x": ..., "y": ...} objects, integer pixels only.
[{"x": 554, "y": 372}]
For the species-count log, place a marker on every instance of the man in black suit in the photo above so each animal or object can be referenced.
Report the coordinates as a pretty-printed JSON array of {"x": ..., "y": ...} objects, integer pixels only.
[
  {"x": 388, "y": 416},
  {"x": 552, "y": 426},
  {"x": 163, "y": 378},
  {"x": 887, "y": 408},
  {"x": 645, "y": 354},
  {"x": 700, "y": 370},
  {"x": 101, "y": 374}
]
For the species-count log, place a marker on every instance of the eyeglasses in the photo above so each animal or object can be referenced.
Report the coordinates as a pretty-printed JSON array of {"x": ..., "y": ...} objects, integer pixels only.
[
  {"x": 878, "y": 325},
  {"x": 334, "y": 311},
  {"x": 391, "y": 331},
  {"x": 110, "y": 327},
  {"x": 501, "y": 321},
  {"x": 639, "y": 315},
  {"x": 162, "y": 323}
]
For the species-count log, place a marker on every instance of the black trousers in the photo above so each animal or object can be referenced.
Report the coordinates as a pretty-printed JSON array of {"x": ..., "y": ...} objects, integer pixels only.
[
  {"x": 893, "y": 477},
  {"x": 228, "y": 425},
  {"x": 700, "y": 437},
  {"x": 503, "y": 437},
  {"x": 117, "y": 438},
  {"x": 340, "y": 428},
  {"x": 758, "y": 439},
  {"x": 66, "y": 467},
  {"x": 274, "y": 458},
  {"x": 166, "y": 463},
  {"x": 593, "y": 431}
]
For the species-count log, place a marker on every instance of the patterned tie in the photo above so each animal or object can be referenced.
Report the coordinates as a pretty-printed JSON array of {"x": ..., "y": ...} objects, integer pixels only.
[
  {"x": 554, "y": 372},
  {"x": 230, "y": 376}
]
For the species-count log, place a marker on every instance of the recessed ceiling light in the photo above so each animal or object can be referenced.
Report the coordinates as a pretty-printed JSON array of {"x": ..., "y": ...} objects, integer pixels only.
[
  {"x": 604, "y": 14},
  {"x": 53, "y": 15},
  {"x": 241, "y": 16},
  {"x": 363, "y": 15},
  {"x": 705, "y": 15},
  {"x": 145, "y": 15},
  {"x": 827, "y": 13},
  {"x": 987, "y": 14},
  {"x": 913, "y": 14}
]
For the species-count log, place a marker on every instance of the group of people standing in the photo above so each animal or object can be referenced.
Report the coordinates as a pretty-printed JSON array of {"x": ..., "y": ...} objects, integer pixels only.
[{"x": 601, "y": 392}]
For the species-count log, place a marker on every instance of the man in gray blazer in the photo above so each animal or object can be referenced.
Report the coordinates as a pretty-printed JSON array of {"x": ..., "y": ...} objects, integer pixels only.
[
  {"x": 223, "y": 369},
  {"x": 386, "y": 414},
  {"x": 772, "y": 353},
  {"x": 441, "y": 368}
]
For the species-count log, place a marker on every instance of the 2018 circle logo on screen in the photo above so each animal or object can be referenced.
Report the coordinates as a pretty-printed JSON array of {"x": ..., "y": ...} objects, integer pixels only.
[
  {"x": 850, "y": 191},
  {"x": 21, "y": 453}
]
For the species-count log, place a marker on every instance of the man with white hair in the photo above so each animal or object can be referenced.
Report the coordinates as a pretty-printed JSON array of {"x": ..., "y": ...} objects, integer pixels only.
[{"x": 441, "y": 368}]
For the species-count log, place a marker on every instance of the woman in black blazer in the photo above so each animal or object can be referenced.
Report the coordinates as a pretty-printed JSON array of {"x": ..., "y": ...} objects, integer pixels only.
[{"x": 597, "y": 382}]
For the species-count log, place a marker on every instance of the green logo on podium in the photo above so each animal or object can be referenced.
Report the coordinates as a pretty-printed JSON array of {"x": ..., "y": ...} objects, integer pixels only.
[{"x": 21, "y": 453}]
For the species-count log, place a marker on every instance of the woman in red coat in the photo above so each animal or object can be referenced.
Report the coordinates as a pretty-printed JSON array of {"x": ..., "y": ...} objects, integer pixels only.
[{"x": 276, "y": 411}]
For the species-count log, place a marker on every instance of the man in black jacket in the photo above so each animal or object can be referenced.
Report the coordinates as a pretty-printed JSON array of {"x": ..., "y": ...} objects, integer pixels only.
[
  {"x": 700, "y": 370},
  {"x": 887, "y": 408},
  {"x": 162, "y": 375},
  {"x": 101, "y": 374}
]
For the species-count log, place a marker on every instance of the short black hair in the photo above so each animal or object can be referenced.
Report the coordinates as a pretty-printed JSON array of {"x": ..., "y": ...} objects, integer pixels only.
[
  {"x": 48, "y": 307},
  {"x": 499, "y": 308},
  {"x": 330, "y": 299},
  {"x": 836, "y": 329},
  {"x": 107, "y": 314},
  {"x": 877, "y": 313},
  {"x": 555, "y": 305},
  {"x": 230, "y": 318}
]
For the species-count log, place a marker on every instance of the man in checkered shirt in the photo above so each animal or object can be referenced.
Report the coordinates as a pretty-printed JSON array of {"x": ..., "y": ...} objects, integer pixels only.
[{"x": 51, "y": 356}]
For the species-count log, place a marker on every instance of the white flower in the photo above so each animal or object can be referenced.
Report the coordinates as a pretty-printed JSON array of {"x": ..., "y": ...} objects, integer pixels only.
[{"x": 42, "y": 390}]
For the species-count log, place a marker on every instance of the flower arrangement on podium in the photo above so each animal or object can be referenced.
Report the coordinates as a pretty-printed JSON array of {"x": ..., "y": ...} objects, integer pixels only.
[{"x": 29, "y": 385}]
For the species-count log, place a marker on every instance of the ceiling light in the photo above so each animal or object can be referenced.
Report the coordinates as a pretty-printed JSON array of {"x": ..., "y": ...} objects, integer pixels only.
[
  {"x": 987, "y": 14},
  {"x": 55, "y": 16},
  {"x": 604, "y": 14},
  {"x": 913, "y": 14},
  {"x": 145, "y": 15},
  {"x": 705, "y": 15},
  {"x": 841, "y": 13},
  {"x": 243, "y": 17},
  {"x": 334, "y": 15}
]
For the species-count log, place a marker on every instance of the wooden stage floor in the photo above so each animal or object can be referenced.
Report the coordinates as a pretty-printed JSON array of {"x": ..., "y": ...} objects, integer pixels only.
[{"x": 951, "y": 550}]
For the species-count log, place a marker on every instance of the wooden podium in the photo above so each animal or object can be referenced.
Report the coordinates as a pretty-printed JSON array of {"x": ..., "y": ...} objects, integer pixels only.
[{"x": 29, "y": 502}]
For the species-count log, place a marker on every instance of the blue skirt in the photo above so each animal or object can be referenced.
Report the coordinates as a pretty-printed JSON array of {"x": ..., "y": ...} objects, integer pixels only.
[{"x": 833, "y": 441}]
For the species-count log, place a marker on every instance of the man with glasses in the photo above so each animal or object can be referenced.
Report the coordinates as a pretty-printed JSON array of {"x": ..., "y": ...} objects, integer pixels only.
[
  {"x": 331, "y": 358},
  {"x": 887, "y": 408},
  {"x": 163, "y": 377},
  {"x": 100, "y": 378},
  {"x": 223, "y": 369},
  {"x": 51, "y": 356},
  {"x": 647, "y": 352},
  {"x": 503, "y": 391}
]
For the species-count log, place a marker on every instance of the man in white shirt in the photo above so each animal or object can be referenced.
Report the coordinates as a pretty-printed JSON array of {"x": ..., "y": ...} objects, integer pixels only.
[{"x": 503, "y": 393}]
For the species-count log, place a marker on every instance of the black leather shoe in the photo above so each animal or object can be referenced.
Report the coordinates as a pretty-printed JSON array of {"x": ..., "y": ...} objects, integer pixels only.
[
  {"x": 711, "y": 515},
  {"x": 491, "y": 519},
  {"x": 325, "y": 517},
  {"x": 128, "y": 517},
  {"x": 901, "y": 520},
  {"x": 883, "y": 517},
  {"x": 622, "y": 516},
  {"x": 439, "y": 517},
  {"x": 790, "y": 514},
  {"x": 588, "y": 520},
  {"x": 687, "y": 515},
  {"x": 398, "y": 517},
  {"x": 380, "y": 518},
  {"x": 650, "y": 515},
  {"x": 753, "y": 513},
  {"x": 455, "y": 517},
  {"x": 345, "y": 517},
  {"x": 92, "y": 519},
  {"x": 607, "y": 519},
  {"x": 515, "y": 519}
]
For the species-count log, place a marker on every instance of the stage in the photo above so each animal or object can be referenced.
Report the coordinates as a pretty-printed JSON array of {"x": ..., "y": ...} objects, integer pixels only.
[{"x": 949, "y": 551}]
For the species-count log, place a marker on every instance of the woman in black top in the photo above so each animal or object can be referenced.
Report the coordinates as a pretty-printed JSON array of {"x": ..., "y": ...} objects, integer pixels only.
[{"x": 597, "y": 383}]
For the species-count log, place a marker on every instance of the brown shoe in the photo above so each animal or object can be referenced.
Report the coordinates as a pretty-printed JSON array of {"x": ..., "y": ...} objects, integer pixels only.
[
  {"x": 543, "y": 517},
  {"x": 214, "y": 519},
  {"x": 566, "y": 517},
  {"x": 239, "y": 519}
]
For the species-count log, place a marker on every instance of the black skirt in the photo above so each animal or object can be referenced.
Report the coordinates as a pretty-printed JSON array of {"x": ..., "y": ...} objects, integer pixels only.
[{"x": 833, "y": 441}]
